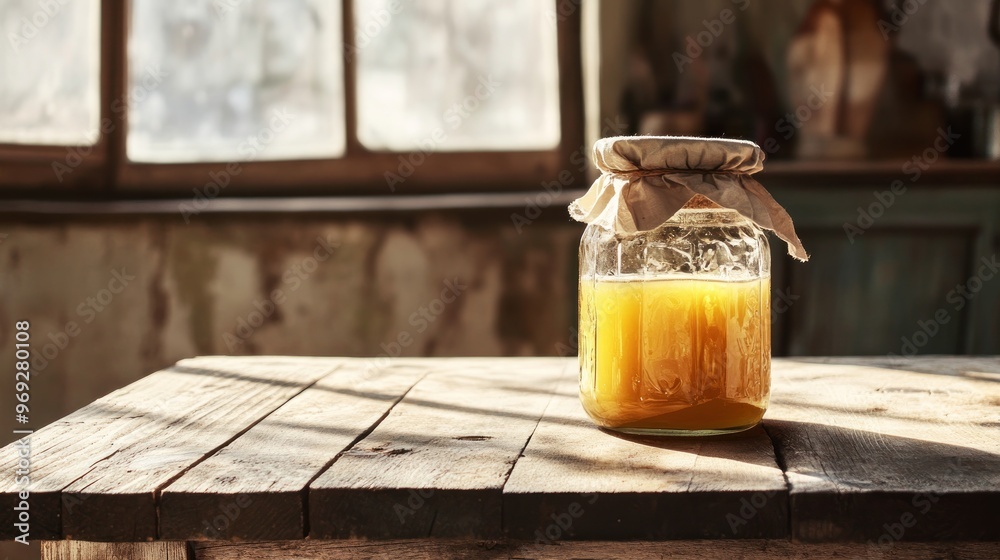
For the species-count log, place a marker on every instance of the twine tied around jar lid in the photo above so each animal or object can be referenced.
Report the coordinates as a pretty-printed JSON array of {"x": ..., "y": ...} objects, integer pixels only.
[{"x": 645, "y": 180}]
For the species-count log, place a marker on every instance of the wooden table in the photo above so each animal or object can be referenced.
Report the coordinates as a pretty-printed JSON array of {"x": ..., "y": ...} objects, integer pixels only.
[{"x": 275, "y": 457}]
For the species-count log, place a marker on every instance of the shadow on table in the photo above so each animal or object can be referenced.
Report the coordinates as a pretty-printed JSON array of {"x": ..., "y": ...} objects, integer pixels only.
[
  {"x": 980, "y": 368},
  {"x": 843, "y": 482},
  {"x": 861, "y": 459},
  {"x": 377, "y": 395},
  {"x": 862, "y": 449}
]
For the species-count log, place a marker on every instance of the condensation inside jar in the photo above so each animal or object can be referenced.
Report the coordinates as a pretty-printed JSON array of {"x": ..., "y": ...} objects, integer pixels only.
[{"x": 675, "y": 325}]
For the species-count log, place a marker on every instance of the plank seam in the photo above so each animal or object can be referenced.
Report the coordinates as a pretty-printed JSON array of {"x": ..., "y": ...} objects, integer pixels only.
[
  {"x": 158, "y": 492},
  {"x": 430, "y": 531},
  {"x": 779, "y": 458},
  {"x": 60, "y": 493},
  {"x": 70, "y": 483},
  {"x": 555, "y": 389},
  {"x": 364, "y": 434}
]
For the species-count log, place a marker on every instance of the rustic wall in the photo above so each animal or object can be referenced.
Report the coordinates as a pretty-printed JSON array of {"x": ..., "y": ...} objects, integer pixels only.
[
  {"x": 263, "y": 284},
  {"x": 426, "y": 285}
]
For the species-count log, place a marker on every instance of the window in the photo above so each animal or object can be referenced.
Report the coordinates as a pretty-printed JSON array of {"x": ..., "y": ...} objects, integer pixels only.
[
  {"x": 288, "y": 96},
  {"x": 51, "y": 103},
  {"x": 483, "y": 73},
  {"x": 205, "y": 77},
  {"x": 50, "y": 94}
]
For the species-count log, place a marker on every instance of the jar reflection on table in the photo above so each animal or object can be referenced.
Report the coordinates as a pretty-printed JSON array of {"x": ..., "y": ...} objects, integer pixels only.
[{"x": 675, "y": 332}]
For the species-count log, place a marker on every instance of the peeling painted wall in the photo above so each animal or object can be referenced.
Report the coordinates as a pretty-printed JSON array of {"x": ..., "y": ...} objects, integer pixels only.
[
  {"x": 245, "y": 284},
  {"x": 265, "y": 285}
]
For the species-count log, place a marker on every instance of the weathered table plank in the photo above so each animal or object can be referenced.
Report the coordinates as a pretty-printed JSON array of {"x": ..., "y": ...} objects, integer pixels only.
[
  {"x": 436, "y": 549},
  {"x": 65, "y": 450},
  {"x": 353, "y": 549},
  {"x": 77, "y": 444},
  {"x": 881, "y": 455},
  {"x": 254, "y": 488},
  {"x": 116, "y": 499},
  {"x": 84, "y": 550},
  {"x": 436, "y": 465},
  {"x": 500, "y": 449},
  {"x": 576, "y": 482}
]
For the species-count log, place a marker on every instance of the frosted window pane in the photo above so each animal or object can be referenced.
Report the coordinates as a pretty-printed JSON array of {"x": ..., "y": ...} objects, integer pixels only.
[
  {"x": 50, "y": 68},
  {"x": 420, "y": 62},
  {"x": 242, "y": 80}
]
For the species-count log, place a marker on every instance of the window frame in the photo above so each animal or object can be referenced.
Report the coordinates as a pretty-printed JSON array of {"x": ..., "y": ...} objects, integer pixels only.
[
  {"x": 29, "y": 168},
  {"x": 359, "y": 171}
]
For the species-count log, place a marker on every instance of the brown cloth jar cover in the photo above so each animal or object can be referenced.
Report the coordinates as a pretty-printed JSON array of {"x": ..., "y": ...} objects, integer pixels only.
[{"x": 645, "y": 180}]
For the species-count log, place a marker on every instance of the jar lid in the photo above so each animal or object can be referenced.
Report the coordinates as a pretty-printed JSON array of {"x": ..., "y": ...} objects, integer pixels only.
[
  {"x": 645, "y": 180},
  {"x": 624, "y": 154}
]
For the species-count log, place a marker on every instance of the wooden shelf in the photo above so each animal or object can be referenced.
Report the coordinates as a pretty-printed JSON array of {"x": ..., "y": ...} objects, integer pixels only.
[{"x": 824, "y": 172}]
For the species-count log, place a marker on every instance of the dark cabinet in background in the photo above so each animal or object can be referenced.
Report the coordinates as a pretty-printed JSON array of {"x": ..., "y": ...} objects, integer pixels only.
[{"x": 921, "y": 277}]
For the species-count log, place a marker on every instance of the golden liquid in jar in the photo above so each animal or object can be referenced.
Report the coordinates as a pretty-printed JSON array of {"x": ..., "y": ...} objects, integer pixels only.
[{"x": 675, "y": 354}]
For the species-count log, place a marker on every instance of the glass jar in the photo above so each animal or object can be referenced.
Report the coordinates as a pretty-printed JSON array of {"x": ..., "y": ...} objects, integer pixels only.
[{"x": 675, "y": 324}]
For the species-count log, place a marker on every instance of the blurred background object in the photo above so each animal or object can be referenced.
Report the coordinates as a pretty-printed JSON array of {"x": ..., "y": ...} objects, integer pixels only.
[
  {"x": 381, "y": 178},
  {"x": 893, "y": 70}
]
